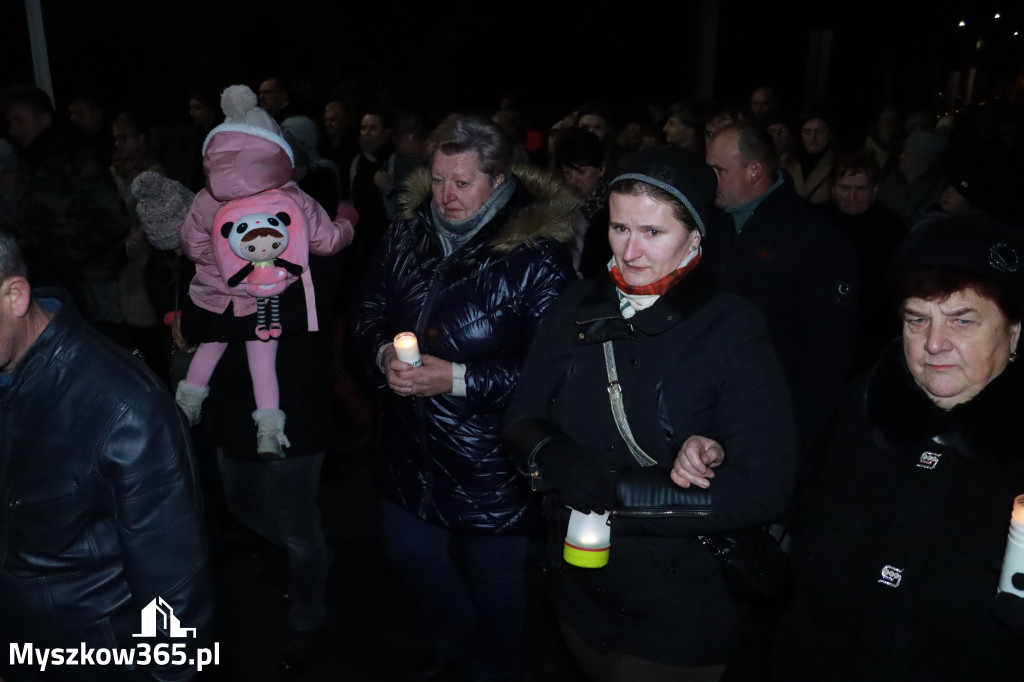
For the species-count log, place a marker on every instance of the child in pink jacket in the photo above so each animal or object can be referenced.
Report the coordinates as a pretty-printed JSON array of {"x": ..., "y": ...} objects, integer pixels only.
[{"x": 242, "y": 265}]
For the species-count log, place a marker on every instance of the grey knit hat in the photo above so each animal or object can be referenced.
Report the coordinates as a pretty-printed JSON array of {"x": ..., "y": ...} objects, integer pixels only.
[
  {"x": 163, "y": 205},
  {"x": 677, "y": 172}
]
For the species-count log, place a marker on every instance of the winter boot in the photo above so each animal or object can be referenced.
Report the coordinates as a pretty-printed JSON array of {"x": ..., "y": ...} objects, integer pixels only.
[
  {"x": 270, "y": 438},
  {"x": 190, "y": 398}
]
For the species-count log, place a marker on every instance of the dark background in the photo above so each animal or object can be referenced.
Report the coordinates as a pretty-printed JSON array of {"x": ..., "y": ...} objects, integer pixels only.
[{"x": 453, "y": 56}]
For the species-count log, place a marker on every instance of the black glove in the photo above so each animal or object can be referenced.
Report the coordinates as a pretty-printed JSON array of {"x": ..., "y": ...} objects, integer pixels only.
[
  {"x": 1009, "y": 608},
  {"x": 586, "y": 483}
]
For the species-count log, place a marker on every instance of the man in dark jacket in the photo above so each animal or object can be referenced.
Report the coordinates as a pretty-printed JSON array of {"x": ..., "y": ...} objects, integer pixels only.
[
  {"x": 876, "y": 231},
  {"x": 73, "y": 220},
  {"x": 776, "y": 251},
  {"x": 101, "y": 524}
]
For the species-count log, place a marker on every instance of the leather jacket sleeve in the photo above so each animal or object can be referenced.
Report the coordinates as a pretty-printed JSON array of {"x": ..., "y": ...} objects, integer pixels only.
[{"x": 150, "y": 488}]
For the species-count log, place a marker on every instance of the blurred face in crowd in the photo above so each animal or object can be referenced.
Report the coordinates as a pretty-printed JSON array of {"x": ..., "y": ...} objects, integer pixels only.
[
  {"x": 910, "y": 160},
  {"x": 781, "y": 136},
  {"x": 956, "y": 346},
  {"x": 272, "y": 95},
  {"x": 595, "y": 123},
  {"x": 202, "y": 116},
  {"x": 86, "y": 116},
  {"x": 335, "y": 120},
  {"x": 952, "y": 201},
  {"x": 647, "y": 239},
  {"x": 678, "y": 133},
  {"x": 583, "y": 180},
  {"x": 854, "y": 193},
  {"x": 712, "y": 127},
  {"x": 128, "y": 142},
  {"x": 25, "y": 123},
  {"x": 762, "y": 102},
  {"x": 458, "y": 185},
  {"x": 372, "y": 133},
  {"x": 816, "y": 136}
]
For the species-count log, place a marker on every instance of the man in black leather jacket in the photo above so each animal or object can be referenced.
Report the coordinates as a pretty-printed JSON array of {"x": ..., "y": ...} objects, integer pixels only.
[{"x": 100, "y": 515}]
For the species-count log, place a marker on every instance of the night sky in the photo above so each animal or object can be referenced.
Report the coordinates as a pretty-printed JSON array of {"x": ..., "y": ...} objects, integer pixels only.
[{"x": 455, "y": 57}]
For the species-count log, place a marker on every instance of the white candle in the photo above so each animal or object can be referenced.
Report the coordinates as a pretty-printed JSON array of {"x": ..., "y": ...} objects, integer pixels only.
[
  {"x": 407, "y": 348},
  {"x": 1013, "y": 559},
  {"x": 587, "y": 540}
]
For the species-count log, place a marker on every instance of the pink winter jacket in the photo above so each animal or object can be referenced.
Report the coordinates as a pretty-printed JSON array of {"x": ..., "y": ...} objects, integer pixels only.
[{"x": 239, "y": 165}]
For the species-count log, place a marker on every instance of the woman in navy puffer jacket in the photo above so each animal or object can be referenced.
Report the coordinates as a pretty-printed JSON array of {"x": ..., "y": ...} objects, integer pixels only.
[{"x": 470, "y": 266}]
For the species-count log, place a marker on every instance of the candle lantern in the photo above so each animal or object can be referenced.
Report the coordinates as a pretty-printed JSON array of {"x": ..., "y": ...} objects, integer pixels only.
[
  {"x": 1012, "y": 578},
  {"x": 407, "y": 348},
  {"x": 587, "y": 540}
]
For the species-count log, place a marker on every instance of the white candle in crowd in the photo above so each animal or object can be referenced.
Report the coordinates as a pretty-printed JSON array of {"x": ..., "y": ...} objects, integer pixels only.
[
  {"x": 587, "y": 540},
  {"x": 1013, "y": 559},
  {"x": 407, "y": 348}
]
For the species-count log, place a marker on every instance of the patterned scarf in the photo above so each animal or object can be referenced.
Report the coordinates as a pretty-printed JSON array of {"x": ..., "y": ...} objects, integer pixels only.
[{"x": 635, "y": 298}]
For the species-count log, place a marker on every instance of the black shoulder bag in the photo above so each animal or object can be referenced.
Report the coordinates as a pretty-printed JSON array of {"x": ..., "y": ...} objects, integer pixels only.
[{"x": 754, "y": 565}]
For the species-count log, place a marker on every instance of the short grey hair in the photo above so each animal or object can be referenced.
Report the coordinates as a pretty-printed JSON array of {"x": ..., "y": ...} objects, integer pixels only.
[
  {"x": 12, "y": 263},
  {"x": 459, "y": 134}
]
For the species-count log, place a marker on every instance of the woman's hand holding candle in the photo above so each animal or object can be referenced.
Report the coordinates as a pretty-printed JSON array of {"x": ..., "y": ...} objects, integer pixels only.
[{"x": 432, "y": 377}]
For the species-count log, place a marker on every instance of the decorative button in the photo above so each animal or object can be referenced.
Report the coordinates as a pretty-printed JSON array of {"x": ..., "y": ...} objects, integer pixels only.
[
  {"x": 891, "y": 576},
  {"x": 929, "y": 460},
  {"x": 581, "y": 336}
]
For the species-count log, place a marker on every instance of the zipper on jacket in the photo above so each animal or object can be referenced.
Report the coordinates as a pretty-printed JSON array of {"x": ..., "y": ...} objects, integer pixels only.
[
  {"x": 418, "y": 404},
  {"x": 661, "y": 513},
  {"x": 52, "y": 492}
]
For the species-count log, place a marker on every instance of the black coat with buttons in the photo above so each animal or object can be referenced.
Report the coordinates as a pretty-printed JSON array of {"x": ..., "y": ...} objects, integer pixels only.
[
  {"x": 801, "y": 271},
  {"x": 900, "y": 537},
  {"x": 697, "y": 362}
]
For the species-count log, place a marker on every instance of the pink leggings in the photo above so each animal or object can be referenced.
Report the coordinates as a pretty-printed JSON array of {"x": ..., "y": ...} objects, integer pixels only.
[{"x": 262, "y": 367}]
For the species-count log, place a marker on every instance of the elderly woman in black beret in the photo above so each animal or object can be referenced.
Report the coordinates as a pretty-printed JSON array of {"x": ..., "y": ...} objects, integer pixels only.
[
  {"x": 689, "y": 363},
  {"x": 902, "y": 527}
]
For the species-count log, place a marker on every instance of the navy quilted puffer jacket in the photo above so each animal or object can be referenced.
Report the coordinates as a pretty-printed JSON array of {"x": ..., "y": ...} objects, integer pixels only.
[{"x": 441, "y": 456}]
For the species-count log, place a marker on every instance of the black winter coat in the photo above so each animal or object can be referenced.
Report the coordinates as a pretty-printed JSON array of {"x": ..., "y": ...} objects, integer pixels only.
[
  {"x": 901, "y": 534},
  {"x": 801, "y": 271},
  {"x": 479, "y": 306},
  {"x": 695, "y": 363}
]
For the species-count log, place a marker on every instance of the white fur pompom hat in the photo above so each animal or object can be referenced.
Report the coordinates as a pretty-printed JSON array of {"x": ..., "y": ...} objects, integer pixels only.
[{"x": 243, "y": 115}]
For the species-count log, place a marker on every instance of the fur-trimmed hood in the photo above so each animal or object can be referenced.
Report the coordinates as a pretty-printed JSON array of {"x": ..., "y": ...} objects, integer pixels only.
[{"x": 552, "y": 213}]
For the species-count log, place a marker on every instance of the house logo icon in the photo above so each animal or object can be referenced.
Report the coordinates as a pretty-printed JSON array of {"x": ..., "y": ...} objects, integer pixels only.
[{"x": 159, "y": 614}]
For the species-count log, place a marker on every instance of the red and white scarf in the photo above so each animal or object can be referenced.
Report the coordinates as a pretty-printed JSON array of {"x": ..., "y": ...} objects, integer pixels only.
[{"x": 633, "y": 299}]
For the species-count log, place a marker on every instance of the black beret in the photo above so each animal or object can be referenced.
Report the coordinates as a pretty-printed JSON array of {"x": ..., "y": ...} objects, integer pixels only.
[{"x": 971, "y": 242}]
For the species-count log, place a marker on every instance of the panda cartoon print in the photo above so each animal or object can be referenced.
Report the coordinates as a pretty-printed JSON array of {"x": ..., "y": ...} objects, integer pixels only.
[{"x": 261, "y": 238}]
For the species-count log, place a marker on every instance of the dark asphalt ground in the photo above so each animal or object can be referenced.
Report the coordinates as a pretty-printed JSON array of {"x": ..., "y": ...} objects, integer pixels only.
[{"x": 374, "y": 634}]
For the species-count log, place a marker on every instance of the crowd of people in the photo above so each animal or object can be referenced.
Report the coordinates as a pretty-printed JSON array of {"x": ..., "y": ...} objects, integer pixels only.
[{"x": 707, "y": 319}]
